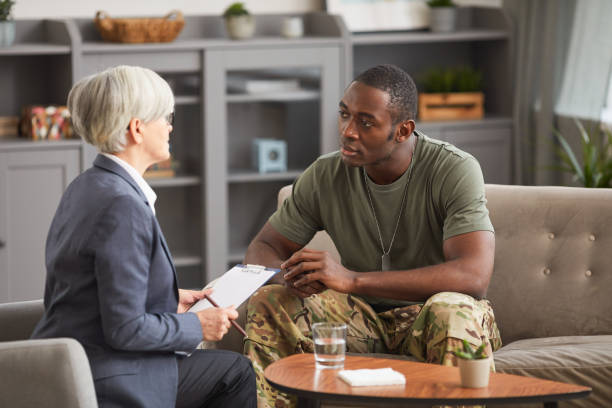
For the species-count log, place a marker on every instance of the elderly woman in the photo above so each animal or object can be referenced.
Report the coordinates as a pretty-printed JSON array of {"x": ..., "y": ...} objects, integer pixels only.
[{"x": 111, "y": 283}]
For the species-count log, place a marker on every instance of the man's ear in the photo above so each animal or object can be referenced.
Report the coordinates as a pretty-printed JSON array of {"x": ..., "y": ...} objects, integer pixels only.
[
  {"x": 404, "y": 130},
  {"x": 134, "y": 132}
]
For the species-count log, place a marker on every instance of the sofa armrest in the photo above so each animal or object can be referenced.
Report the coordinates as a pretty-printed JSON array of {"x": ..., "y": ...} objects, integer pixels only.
[
  {"x": 18, "y": 319},
  {"x": 45, "y": 373}
]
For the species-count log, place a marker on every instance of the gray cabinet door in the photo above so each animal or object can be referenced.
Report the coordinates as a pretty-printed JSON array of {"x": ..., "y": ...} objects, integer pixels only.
[
  {"x": 490, "y": 146},
  {"x": 31, "y": 185}
]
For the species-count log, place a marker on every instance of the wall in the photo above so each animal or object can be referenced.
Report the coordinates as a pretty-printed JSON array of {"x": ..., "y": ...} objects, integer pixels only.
[{"x": 87, "y": 8}]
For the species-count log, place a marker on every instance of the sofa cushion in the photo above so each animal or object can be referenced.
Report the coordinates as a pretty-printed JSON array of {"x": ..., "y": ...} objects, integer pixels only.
[
  {"x": 552, "y": 261},
  {"x": 584, "y": 360}
]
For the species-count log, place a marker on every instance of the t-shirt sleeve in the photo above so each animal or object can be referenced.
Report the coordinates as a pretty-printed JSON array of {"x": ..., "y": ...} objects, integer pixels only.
[
  {"x": 464, "y": 201},
  {"x": 299, "y": 218}
]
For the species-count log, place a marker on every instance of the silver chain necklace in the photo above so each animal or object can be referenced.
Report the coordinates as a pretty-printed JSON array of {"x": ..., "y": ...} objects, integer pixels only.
[{"x": 385, "y": 259}]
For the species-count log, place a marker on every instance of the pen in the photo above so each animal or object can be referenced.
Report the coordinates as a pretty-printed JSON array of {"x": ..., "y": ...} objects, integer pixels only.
[{"x": 236, "y": 325}]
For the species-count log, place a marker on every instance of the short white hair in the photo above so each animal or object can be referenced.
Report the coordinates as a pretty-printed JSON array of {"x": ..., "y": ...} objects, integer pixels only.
[{"x": 103, "y": 104}]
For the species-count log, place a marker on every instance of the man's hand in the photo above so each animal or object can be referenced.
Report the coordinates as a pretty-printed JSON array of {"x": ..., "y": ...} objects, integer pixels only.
[
  {"x": 188, "y": 297},
  {"x": 215, "y": 321},
  {"x": 307, "y": 270}
]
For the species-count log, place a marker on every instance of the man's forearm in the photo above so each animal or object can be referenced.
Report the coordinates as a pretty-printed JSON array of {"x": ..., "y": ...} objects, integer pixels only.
[
  {"x": 261, "y": 253},
  {"x": 419, "y": 284}
]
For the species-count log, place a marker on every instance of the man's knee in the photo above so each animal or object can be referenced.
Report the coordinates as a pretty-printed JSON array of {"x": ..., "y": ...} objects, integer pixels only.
[{"x": 445, "y": 307}]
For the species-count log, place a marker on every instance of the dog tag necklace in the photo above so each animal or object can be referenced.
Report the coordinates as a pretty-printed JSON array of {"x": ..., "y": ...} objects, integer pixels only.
[{"x": 385, "y": 259}]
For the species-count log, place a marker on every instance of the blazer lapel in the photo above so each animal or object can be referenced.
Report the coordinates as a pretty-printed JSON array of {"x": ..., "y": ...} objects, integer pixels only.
[{"x": 167, "y": 251}]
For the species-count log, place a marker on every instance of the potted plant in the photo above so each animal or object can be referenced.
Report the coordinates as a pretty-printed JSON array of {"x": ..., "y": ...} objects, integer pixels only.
[
  {"x": 474, "y": 365},
  {"x": 596, "y": 168},
  {"x": 442, "y": 15},
  {"x": 239, "y": 22},
  {"x": 7, "y": 24},
  {"x": 451, "y": 93}
]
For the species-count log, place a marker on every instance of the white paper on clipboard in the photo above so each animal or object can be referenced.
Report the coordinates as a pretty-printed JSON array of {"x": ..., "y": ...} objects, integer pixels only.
[{"x": 235, "y": 286}]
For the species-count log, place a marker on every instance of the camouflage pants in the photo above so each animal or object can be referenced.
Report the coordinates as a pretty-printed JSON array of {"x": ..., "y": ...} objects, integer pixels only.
[{"x": 279, "y": 324}]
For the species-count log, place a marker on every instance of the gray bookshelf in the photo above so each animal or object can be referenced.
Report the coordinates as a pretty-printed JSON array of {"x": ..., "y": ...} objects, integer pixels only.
[{"x": 218, "y": 201}]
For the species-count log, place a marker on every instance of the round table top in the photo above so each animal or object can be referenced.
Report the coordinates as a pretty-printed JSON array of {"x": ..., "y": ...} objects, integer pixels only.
[{"x": 425, "y": 383}]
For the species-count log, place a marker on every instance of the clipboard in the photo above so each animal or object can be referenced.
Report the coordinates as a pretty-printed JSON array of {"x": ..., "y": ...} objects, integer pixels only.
[{"x": 236, "y": 285}]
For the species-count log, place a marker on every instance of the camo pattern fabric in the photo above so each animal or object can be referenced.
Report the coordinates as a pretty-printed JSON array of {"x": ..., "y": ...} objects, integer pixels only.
[{"x": 279, "y": 324}]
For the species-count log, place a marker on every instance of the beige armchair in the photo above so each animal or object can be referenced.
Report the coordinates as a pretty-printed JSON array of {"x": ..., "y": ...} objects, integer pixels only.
[{"x": 50, "y": 373}]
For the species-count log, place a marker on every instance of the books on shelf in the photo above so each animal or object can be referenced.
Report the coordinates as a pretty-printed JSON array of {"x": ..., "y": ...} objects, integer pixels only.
[
  {"x": 165, "y": 169},
  {"x": 9, "y": 126},
  {"x": 241, "y": 84}
]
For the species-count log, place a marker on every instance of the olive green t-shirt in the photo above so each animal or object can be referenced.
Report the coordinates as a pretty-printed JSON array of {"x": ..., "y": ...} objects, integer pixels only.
[{"x": 445, "y": 197}]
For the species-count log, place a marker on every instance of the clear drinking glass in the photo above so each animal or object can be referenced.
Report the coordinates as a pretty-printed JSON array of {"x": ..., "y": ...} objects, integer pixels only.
[{"x": 330, "y": 344}]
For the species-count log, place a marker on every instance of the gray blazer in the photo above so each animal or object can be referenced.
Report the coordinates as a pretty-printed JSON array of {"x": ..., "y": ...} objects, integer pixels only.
[{"x": 111, "y": 285}]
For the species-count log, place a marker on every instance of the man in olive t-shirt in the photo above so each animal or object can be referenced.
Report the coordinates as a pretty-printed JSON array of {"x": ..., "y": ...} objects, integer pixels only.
[{"x": 407, "y": 214}]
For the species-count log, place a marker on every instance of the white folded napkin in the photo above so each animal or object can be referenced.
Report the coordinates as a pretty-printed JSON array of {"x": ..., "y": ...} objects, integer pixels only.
[{"x": 368, "y": 377}]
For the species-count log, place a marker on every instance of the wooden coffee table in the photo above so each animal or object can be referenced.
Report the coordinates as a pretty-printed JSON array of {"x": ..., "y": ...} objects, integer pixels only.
[{"x": 425, "y": 384}]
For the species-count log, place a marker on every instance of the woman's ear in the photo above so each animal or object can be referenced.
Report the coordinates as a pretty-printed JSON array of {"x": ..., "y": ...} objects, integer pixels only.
[
  {"x": 134, "y": 132},
  {"x": 405, "y": 130}
]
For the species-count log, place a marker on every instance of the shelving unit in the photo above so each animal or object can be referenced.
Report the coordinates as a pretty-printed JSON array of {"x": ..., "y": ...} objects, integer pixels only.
[
  {"x": 216, "y": 183},
  {"x": 218, "y": 201}
]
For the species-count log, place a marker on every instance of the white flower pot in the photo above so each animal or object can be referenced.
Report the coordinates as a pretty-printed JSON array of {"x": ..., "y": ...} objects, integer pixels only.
[
  {"x": 474, "y": 373},
  {"x": 7, "y": 33},
  {"x": 240, "y": 27},
  {"x": 442, "y": 19}
]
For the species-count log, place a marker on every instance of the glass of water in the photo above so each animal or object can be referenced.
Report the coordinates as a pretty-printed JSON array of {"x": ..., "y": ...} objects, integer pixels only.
[{"x": 330, "y": 344}]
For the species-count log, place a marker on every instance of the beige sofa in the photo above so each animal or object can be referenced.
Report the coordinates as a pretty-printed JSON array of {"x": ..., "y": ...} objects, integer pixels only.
[
  {"x": 550, "y": 291},
  {"x": 552, "y": 285}
]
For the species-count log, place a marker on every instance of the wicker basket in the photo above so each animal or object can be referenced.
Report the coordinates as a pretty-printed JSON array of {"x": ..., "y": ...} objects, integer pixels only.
[{"x": 139, "y": 30}]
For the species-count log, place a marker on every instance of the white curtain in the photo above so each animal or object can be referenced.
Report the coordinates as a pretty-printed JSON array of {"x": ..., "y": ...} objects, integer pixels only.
[
  {"x": 541, "y": 34},
  {"x": 589, "y": 59}
]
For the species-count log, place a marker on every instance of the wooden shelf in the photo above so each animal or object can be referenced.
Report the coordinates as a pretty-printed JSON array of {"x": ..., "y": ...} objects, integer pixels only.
[
  {"x": 427, "y": 36},
  {"x": 246, "y": 176},
  {"x": 178, "y": 181},
  {"x": 288, "y": 96},
  {"x": 184, "y": 260},
  {"x": 26, "y": 144},
  {"x": 186, "y": 99},
  {"x": 197, "y": 44},
  {"x": 35, "y": 49}
]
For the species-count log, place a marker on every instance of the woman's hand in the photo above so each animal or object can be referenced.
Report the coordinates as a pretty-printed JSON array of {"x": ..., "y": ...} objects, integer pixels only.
[
  {"x": 215, "y": 321},
  {"x": 188, "y": 297}
]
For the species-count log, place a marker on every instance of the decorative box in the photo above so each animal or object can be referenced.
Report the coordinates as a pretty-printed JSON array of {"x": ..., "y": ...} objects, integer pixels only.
[{"x": 270, "y": 155}]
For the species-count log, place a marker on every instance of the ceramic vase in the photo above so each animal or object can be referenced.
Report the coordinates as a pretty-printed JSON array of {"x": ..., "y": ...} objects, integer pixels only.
[
  {"x": 474, "y": 373},
  {"x": 442, "y": 19},
  {"x": 240, "y": 27},
  {"x": 7, "y": 33}
]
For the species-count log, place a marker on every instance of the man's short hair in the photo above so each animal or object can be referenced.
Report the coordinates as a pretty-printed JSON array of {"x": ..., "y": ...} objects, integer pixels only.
[
  {"x": 103, "y": 104},
  {"x": 398, "y": 84}
]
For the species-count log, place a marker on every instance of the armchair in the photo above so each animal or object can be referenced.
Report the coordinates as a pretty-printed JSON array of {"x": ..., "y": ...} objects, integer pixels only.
[{"x": 50, "y": 373}]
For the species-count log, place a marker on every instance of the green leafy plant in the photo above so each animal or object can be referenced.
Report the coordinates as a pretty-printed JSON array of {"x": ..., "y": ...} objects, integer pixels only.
[
  {"x": 5, "y": 9},
  {"x": 235, "y": 10},
  {"x": 596, "y": 168},
  {"x": 468, "y": 353},
  {"x": 440, "y": 3},
  {"x": 455, "y": 79}
]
